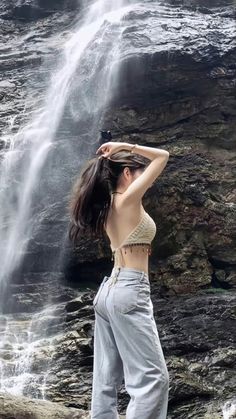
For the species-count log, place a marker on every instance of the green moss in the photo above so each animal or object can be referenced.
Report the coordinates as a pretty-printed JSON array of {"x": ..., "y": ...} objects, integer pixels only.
[{"x": 216, "y": 291}]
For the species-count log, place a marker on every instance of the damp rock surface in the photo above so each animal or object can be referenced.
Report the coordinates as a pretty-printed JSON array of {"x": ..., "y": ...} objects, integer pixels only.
[
  {"x": 20, "y": 407},
  {"x": 175, "y": 89},
  {"x": 196, "y": 334}
]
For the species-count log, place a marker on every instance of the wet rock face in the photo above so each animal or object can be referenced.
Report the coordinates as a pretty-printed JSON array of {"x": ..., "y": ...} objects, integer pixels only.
[
  {"x": 176, "y": 90},
  {"x": 208, "y": 4},
  {"x": 20, "y": 407},
  {"x": 196, "y": 333},
  {"x": 28, "y": 10}
]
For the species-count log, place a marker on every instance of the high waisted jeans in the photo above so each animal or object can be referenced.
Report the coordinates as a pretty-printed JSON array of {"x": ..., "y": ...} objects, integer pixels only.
[{"x": 127, "y": 345}]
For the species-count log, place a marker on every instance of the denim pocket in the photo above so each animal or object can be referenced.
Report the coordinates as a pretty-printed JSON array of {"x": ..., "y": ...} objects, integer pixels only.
[
  {"x": 95, "y": 300},
  {"x": 144, "y": 296},
  {"x": 125, "y": 297}
]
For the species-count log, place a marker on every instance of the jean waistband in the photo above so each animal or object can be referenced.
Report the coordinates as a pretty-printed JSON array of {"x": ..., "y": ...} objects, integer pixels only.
[{"x": 123, "y": 273}]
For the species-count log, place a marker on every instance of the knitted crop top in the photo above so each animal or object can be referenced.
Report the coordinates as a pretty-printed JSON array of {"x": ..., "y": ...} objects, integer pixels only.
[{"x": 142, "y": 234}]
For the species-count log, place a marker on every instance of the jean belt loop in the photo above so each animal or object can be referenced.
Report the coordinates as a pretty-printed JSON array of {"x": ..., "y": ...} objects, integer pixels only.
[
  {"x": 114, "y": 277},
  {"x": 105, "y": 279},
  {"x": 142, "y": 276}
]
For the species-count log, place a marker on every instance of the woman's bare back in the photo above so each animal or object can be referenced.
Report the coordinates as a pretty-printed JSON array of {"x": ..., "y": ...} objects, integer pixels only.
[{"x": 121, "y": 221}]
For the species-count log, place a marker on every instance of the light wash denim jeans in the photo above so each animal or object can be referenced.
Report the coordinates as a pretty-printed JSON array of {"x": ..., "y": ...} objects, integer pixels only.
[{"x": 127, "y": 345}]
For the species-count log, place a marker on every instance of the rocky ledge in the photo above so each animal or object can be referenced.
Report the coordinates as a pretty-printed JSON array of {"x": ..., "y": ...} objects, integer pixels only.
[
  {"x": 197, "y": 333},
  {"x": 20, "y": 407}
]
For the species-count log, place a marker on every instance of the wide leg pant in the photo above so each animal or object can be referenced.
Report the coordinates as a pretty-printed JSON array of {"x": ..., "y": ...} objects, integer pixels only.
[{"x": 127, "y": 345}]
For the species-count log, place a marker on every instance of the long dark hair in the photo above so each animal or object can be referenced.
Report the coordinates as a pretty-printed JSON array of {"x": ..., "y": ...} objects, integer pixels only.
[{"x": 91, "y": 193}]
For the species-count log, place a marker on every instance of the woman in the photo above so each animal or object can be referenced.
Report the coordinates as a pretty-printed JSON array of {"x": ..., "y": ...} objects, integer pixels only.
[{"x": 108, "y": 198}]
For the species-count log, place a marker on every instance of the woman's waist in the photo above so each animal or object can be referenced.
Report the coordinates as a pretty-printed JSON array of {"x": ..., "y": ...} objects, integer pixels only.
[
  {"x": 132, "y": 253},
  {"x": 132, "y": 247},
  {"x": 129, "y": 272}
]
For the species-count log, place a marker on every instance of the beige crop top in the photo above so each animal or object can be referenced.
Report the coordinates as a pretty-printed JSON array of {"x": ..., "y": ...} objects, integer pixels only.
[{"x": 142, "y": 234}]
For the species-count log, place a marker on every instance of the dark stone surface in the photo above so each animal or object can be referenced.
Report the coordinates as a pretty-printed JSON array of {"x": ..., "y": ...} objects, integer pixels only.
[
  {"x": 32, "y": 10},
  {"x": 20, "y": 407},
  {"x": 196, "y": 333},
  {"x": 176, "y": 90}
]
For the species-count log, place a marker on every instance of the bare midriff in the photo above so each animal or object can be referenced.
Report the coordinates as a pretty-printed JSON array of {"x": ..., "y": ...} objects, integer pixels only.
[{"x": 135, "y": 257}]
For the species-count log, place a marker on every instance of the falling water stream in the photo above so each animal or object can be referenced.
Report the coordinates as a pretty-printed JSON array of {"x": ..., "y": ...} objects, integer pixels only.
[{"x": 91, "y": 55}]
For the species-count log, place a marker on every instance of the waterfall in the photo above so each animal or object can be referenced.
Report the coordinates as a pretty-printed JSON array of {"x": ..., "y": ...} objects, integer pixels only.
[
  {"x": 23, "y": 346},
  {"x": 90, "y": 57},
  {"x": 229, "y": 409},
  {"x": 33, "y": 142}
]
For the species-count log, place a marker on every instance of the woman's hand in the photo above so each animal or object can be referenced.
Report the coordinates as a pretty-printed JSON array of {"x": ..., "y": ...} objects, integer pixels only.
[{"x": 107, "y": 149}]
